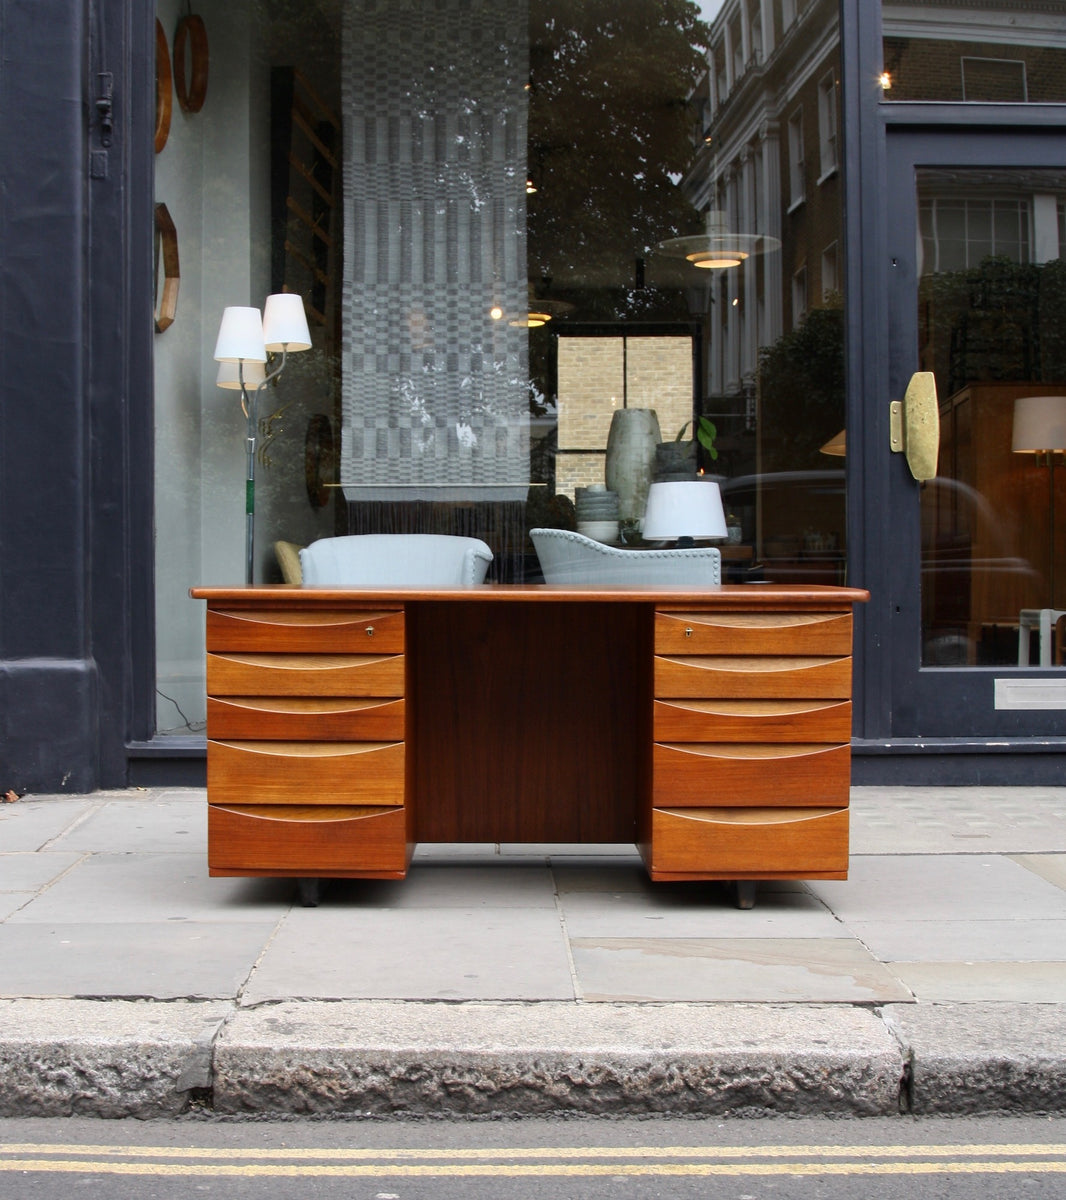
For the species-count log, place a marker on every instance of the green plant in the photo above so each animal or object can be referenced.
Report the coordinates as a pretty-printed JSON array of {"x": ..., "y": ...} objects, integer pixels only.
[{"x": 706, "y": 431}]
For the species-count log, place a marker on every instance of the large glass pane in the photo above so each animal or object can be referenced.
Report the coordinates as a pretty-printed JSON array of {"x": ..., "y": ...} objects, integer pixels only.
[
  {"x": 488, "y": 211},
  {"x": 979, "y": 52},
  {"x": 991, "y": 297}
]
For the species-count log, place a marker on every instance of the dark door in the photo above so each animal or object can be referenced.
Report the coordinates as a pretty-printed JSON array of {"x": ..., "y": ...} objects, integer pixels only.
[{"x": 977, "y": 298}]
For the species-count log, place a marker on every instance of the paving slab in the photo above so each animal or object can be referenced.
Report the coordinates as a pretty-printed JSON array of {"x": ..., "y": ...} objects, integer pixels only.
[
  {"x": 603, "y": 914},
  {"x": 480, "y": 1059},
  {"x": 116, "y": 889},
  {"x": 160, "y": 960},
  {"x": 26, "y": 871},
  {"x": 973, "y": 982},
  {"x": 658, "y": 970},
  {"x": 174, "y": 824},
  {"x": 978, "y": 887},
  {"x": 32, "y": 824},
  {"x": 447, "y": 953},
  {"x": 963, "y": 941}
]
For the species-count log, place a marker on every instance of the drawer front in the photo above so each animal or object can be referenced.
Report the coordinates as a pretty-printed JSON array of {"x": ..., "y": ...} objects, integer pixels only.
[
  {"x": 731, "y": 843},
  {"x": 303, "y": 838},
  {"x": 773, "y": 678},
  {"x": 305, "y": 675},
  {"x": 696, "y": 720},
  {"x": 753, "y": 633},
  {"x": 301, "y": 718},
  {"x": 751, "y": 775},
  {"x": 305, "y": 772},
  {"x": 302, "y": 631}
]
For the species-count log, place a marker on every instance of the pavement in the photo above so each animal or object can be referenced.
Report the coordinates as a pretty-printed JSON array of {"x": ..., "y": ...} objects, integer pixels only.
[{"x": 503, "y": 980}]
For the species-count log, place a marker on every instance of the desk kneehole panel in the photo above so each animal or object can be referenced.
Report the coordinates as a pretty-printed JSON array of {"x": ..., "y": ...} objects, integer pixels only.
[
  {"x": 306, "y": 758},
  {"x": 751, "y": 766}
]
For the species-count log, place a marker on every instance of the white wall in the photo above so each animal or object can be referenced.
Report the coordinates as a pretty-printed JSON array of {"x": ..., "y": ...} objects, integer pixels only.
[{"x": 213, "y": 175}]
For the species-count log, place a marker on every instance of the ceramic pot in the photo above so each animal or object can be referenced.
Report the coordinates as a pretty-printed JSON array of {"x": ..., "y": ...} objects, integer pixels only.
[{"x": 630, "y": 461}]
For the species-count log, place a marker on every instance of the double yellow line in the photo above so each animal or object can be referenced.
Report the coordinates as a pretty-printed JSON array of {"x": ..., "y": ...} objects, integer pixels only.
[{"x": 589, "y": 1161}]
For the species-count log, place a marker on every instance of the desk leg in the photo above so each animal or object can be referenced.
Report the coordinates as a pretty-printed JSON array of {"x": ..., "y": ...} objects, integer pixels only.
[{"x": 744, "y": 893}]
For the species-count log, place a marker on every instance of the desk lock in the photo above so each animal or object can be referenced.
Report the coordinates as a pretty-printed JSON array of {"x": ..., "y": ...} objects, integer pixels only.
[
  {"x": 688, "y": 631},
  {"x": 370, "y": 631}
]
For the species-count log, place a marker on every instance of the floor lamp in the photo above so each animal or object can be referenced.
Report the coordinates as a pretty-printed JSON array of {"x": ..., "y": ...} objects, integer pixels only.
[
  {"x": 245, "y": 338},
  {"x": 1040, "y": 429}
]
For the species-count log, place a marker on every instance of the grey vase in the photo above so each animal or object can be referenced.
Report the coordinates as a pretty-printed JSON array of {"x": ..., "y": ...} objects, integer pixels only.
[{"x": 630, "y": 461}]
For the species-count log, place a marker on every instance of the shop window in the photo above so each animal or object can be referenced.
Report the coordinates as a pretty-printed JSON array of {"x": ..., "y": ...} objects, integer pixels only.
[
  {"x": 830, "y": 280},
  {"x": 827, "y": 125},
  {"x": 797, "y": 166},
  {"x": 799, "y": 296},
  {"x": 994, "y": 79}
]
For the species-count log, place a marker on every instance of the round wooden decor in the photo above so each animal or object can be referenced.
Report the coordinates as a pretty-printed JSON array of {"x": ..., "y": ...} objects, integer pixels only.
[
  {"x": 190, "y": 40},
  {"x": 164, "y": 86},
  {"x": 166, "y": 248}
]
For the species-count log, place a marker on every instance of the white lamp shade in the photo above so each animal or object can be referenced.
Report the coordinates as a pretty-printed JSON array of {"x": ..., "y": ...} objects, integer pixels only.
[
  {"x": 285, "y": 323},
  {"x": 240, "y": 336},
  {"x": 1039, "y": 423},
  {"x": 229, "y": 374},
  {"x": 684, "y": 508}
]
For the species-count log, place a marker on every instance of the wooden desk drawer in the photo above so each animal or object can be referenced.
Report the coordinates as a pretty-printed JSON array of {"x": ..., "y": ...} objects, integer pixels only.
[
  {"x": 776, "y": 678},
  {"x": 751, "y": 775},
  {"x": 693, "y": 720},
  {"x": 731, "y": 843},
  {"x": 300, "y": 718},
  {"x": 309, "y": 632},
  {"x": 305, "y": 772},
  {"x": 305, "y": 675},
  {"x": 752, "y": 633},
  {"x": 316, "y": 840}
]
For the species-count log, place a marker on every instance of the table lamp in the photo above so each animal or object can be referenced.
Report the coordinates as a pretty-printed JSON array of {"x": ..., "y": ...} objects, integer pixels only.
[
  {"x": 684, "y": 510},
  {"x": 1040, "y": 429},
  {"x": 246, "y": 338}
]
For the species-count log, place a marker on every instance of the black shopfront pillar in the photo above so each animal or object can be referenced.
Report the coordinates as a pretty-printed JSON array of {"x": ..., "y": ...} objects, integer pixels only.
[{"x": 75, "y": 473}]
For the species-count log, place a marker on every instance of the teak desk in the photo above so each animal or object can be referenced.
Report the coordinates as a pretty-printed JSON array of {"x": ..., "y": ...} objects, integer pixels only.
[{"x": 710, "y": 727}]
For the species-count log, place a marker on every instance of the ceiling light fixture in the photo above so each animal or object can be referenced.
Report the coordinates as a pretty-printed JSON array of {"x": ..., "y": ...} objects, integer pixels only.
[{"x": 718, "y": 249}]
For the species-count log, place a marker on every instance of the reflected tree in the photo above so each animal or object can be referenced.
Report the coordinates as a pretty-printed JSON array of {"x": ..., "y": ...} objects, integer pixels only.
[{"x": 610, "y": 134}]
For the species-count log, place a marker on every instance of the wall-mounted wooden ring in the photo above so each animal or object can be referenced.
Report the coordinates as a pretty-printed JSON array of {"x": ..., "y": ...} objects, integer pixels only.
[
  {"x": 166, "y": 248},
  {"x": 164, "y": 87},
  {"x": 191, "y": 37}
]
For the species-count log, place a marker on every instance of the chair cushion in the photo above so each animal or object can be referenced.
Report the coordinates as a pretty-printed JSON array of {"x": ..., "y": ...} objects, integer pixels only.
[{"x": 386, "y": 559}]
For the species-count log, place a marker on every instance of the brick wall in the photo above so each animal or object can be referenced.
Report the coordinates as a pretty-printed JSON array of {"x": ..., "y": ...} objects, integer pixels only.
[{"x": 600, "y": 374}]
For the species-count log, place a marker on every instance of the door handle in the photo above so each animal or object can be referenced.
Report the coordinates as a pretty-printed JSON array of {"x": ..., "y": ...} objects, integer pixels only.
[{"x": 914, "y": 425}]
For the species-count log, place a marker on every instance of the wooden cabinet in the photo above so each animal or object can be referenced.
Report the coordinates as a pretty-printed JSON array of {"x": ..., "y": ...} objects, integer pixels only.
[
  {"x": 751, "y": 763},
  {"x": 306, "y": 754}
]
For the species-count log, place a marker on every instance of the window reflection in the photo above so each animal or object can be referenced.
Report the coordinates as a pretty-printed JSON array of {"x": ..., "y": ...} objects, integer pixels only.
[
  {"x": 974, "y": 54},
  {"x": 991, "y": 298},
  {"x": 474, "y": 201}
]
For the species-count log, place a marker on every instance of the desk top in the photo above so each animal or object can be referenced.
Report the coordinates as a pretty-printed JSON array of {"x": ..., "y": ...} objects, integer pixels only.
[{"x": 747, "y": 596}]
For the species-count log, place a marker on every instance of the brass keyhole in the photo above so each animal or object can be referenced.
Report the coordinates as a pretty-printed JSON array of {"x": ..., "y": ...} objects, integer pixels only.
[
  {"x": 370, "y": 631},
  {"x": 688, "y": 631}
]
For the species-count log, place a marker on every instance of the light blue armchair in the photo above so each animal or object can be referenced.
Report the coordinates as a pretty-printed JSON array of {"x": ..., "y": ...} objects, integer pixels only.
[{"x": 568, "y": 557}]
